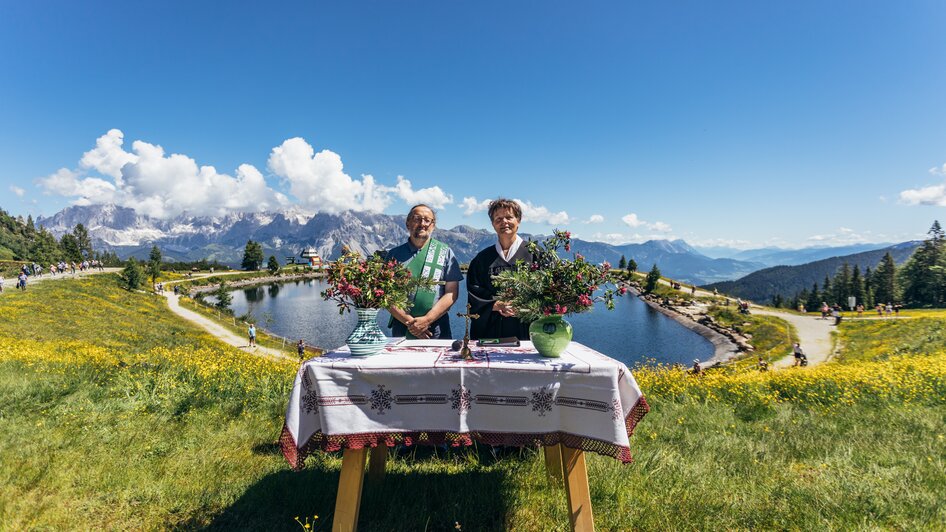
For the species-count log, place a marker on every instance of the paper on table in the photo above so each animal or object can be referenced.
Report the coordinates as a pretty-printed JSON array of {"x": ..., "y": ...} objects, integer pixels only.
[{"x": 423, "y": 343}]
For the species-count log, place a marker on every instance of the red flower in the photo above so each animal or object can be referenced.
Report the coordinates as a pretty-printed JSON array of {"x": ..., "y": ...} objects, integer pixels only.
[{"x": 622, "y": 290}]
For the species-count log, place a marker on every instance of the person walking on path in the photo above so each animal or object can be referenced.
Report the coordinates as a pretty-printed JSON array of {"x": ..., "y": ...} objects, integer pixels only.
[
  {"x": 1, "y": 284},
  {"x": 300, "y": 347},
  {"x": 799, "y": 353},
  {"x": 252, "y": 334}
]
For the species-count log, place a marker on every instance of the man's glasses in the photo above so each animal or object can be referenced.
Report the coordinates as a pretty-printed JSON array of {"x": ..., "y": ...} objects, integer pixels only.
[{"x": 422, "y": 220}]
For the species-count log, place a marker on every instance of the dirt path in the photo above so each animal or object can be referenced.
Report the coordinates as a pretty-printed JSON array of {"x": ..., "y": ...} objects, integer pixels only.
[
  {"x": 222, "y": 333},
  {"x": 814, "y": 335}
]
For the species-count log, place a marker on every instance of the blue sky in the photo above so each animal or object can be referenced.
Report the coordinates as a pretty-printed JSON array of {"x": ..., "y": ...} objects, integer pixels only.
[{"x": 747, "y": 123}]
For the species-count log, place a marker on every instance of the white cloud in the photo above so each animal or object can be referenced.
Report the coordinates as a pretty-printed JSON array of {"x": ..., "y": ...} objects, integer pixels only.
[
  {"x": 843, "y": 236},
  {"x": 88, "y": 190},
  {"x": 17, "y": 190},
  {"x": 433, "y": 196},
  {"x": 108, "y": 157},
  {"x": 594, "y": 219},
  {"x": 319, "y": 182},
  {"x": 615, "y": 239},
  {"x": 631, "y": 220},
  {"x": 634, "y": 222},
  {"x": 471, "y": 205},
  {"x": 931, "y": 195},
  {"x": 941, "y": 171},
  {"x": 160, "y": 185},
  {"x": 530, "y": 213},
  {"x": 538, "y": 214},
  {"x": 660, "y": 227}
]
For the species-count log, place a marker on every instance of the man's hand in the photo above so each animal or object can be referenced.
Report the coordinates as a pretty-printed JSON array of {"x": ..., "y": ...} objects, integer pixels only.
[
  {"x": 419, "y": 327},
  {"x": 504, "y": 309}
]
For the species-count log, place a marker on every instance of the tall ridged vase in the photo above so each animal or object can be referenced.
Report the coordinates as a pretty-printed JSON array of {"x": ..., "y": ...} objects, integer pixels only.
[
  {"x": 550, "y": 335},
  {"x": 367, "y": 338}
]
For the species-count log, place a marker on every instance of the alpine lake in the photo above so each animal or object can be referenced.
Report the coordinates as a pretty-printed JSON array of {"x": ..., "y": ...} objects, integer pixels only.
[{"x": 632, "y": 332}]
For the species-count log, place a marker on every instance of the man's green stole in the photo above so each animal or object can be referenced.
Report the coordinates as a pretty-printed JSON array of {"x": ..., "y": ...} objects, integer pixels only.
[{"x": 428, "y": 263}]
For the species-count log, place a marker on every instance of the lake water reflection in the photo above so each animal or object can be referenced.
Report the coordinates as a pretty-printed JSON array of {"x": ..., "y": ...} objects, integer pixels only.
[{"x": 630, "y": 333}]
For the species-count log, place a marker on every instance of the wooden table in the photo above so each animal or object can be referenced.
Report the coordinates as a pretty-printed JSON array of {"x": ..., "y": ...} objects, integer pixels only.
[{"x": 362, "y": 406}]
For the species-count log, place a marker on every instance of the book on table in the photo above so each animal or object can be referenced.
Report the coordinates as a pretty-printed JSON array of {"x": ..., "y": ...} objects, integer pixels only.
[{"x": 509, "y": 341}]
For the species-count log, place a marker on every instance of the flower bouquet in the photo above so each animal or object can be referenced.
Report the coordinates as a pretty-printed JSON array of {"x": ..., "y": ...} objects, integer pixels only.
[
  {"x": 549, "y": 287},
  {"x": 369, "y": 285}
]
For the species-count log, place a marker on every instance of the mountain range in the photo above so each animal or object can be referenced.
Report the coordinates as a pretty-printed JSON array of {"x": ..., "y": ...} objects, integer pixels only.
[
  {"x": 786, "y": 281},
  {"x": 286, "y": 233}
]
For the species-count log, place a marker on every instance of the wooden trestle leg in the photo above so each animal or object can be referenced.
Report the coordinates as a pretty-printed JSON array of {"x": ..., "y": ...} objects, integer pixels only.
[
  {"x": 576, "y": 489},
  {"x": 553, "y": 463},
  {"x": 348, "y": 500},
  {"x": 379, "y": 455}
]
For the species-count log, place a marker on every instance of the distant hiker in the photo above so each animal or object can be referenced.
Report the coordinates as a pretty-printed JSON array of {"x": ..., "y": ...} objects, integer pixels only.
[
  {"x": 888, "y": 310},
  {"x": 880, "y": 310},
  {"x": 836, "y": 314},
  {"x": 1, "y": 284},
  {"x": 21, "y": 281},
  {"x": 824, "y": 310},
  {"x": 799, "y": 353},
  {"x": 762, "y": 364},
  {"x": 252, "y": 334},
  {"x": 860, "y": 310},
  {"x": 697, "y": 368},
  {"x": 896, "y": 310},
  {"x": 693, "y": 290},
  {"x": 300, "y": 347}
]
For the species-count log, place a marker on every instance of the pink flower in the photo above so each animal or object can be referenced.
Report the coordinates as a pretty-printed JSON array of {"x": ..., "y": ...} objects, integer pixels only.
[
  {"x": 622, "y": 290},
  {"x": 568, "y": 234},
  {"x": 378, "y": 292},
  {"x": 579, "y": 256},
  {"x": 547, "y": 311},
  {"x": 584, "y": 300},
  {"x": 606, "y": 265},
  {"x": 578, "y": 277},
  {"x": 568, "y": 247}
]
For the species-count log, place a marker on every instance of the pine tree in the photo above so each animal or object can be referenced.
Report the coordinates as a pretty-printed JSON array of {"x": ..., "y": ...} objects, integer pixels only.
[
  {"x": 814, "y": 298},
  {"x": 70, "y": 248},
  {"x": 857, "y": 286},
  {"x": 622, "y": 264},
  {"x": 826, "y": 291},
  {"x": 222, "y": 294},
  {"x": 44, "y": 249},
  {"x": 131, "y": 276},
  {"x": 83, "y": 240},
  {"x": 868, "y": 288},
  {"x": 632, "y": 265},
  {"x": 842, "y": 285},
  {"x": 273, "y": 265},
  {"x": 252, "y": 256},
  {"x": 885, "y": 281},
  {"x": 154, "y": 264},
  {"x": 922, "y": 275},
  {"x": 652, "y": 279}
]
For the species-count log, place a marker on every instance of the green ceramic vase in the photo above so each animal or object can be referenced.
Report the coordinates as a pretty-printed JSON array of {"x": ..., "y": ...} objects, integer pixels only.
[{"x": 550, "y": 335}]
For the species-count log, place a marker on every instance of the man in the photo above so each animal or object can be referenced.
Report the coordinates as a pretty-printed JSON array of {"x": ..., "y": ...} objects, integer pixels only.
[
  {"x": 428, "y": 258},
  {"x": 497, "y": 318},
  {"x": 251, "y": 332}
]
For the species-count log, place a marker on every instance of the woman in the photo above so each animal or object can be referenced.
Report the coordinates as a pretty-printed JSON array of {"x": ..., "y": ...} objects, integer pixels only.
[{"x": 497, "y": 318}]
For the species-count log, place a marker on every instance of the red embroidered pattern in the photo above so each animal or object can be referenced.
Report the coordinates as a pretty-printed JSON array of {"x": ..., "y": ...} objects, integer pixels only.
[{"x": 320, "y": 442}]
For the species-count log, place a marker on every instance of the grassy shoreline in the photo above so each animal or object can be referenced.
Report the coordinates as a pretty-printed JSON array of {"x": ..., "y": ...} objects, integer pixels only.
[{"x": 120, "y": 415}]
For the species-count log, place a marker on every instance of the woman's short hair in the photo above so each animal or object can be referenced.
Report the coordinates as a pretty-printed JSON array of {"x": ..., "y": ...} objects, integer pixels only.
[{"x": 503, "y": 203}]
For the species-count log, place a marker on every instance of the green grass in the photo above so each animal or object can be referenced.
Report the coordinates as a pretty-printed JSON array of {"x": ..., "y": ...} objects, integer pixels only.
[
  {"x": 922, "y": 333},
  {"x": 771, "y": 337},
  {"x": 141, "y": 438}
]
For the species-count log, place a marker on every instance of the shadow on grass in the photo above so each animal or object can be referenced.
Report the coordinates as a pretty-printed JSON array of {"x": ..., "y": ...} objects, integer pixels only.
[{"x": 411, "y": 500}]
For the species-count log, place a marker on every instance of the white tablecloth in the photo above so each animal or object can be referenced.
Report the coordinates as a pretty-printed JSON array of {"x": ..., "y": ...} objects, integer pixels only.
[{"x": 420, "y": 392}]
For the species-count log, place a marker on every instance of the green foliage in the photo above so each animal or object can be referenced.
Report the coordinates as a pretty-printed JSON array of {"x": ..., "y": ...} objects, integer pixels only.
[
  {"x": 223, "y": 297},
  {"x": 131, "y": 276},
  {"x": 273, "y": 265},
  {"x": 154, "y": 263},
  {"x": 370, "y": 283},
  {"x": 252, "y": 256},
  {"x": 550, "y": 285},
  {"x": 632, "y": 265},
  {"x": 923, "y": 276},
  {"x": 885, "y": 280},
  {"x": 652, "y": 279},
  {"x": 83, "y": 242},
  {"x": 69, "y": 247},
  {"x": 622, "y": 264}
]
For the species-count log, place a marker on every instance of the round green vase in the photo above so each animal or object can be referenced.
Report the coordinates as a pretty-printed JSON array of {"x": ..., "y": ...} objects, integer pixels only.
[{"x": 550, "y": 335}]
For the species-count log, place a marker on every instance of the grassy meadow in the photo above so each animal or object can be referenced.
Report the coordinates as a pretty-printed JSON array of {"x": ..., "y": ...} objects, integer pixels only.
[{"x": 116, "y": 414}]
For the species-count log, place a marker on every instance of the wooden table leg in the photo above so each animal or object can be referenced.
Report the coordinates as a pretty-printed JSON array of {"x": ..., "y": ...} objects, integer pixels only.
[
  {"x": 379, "y": 455},
  {"x": 348, "y": 500},
  {"x": 576, "y": 489},
  {"x": 553, "y": 463}
]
